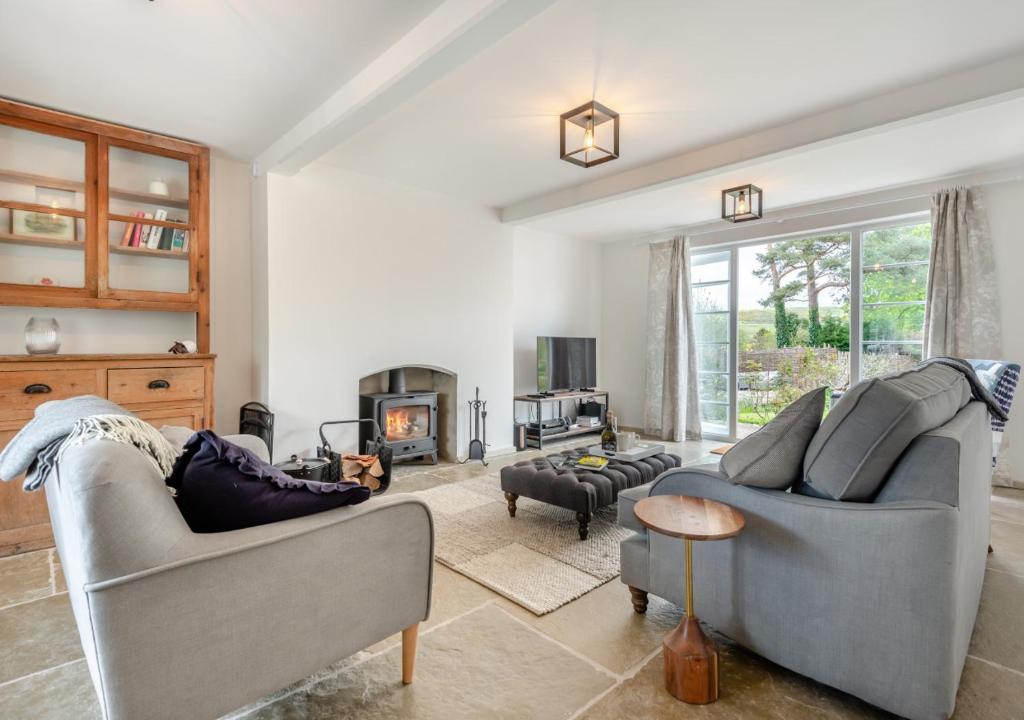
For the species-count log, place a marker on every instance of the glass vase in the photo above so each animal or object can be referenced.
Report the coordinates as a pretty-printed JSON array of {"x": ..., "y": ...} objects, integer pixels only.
[{"x": 42, "y": 336}]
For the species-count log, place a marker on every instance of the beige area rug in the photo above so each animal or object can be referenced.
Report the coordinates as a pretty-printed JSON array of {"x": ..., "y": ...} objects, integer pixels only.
[{"x": 535, "y": 559}]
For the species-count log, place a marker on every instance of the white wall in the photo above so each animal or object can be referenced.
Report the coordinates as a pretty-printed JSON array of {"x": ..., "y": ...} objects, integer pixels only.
[
  {"x": 122, "y": 331},
  {"x": 364, "y": 274},
  {"x": 1004, "y": 202},
  {"x": 557, "y": 292},
  {"x": 624, "y": 328}
]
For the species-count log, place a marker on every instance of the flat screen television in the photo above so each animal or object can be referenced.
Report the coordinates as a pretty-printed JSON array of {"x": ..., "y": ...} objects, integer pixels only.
[{"x": 566, "y": 363}]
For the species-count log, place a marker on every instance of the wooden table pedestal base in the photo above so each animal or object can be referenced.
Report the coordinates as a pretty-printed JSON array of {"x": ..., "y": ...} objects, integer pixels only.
[{"x": 691, "y": 663}]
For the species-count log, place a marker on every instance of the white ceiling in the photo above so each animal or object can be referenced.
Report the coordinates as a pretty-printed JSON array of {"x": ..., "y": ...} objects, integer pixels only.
[
  {"x": 683, "y": 73},
  {"x": 234, "y": 74},
  {"x": 949, "y": 145}
]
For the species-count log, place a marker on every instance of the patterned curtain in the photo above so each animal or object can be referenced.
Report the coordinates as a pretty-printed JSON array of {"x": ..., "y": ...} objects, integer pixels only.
[
  {"x": 962, "y": 316},
  {"x": 671, "y": 410}
]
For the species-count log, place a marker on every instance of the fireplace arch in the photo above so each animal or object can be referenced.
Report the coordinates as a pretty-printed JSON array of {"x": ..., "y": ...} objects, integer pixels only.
[{"x": 427, "y": 379}]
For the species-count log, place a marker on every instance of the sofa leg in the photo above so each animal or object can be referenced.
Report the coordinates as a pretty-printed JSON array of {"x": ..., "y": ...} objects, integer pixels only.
[
  {"x": 409, "y": 637},
  {"x": 584, "y": 520},
  {"x": 639, "y": 598},
  {"x": 511, "y": 497}
]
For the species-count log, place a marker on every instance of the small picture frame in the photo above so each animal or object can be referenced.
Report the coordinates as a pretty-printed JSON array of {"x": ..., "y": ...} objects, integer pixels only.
[{"x": 48, "y": 226}]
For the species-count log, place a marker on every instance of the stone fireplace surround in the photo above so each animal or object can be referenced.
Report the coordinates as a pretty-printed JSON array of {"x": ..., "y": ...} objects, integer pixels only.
[{"x": 435, "y": 379}]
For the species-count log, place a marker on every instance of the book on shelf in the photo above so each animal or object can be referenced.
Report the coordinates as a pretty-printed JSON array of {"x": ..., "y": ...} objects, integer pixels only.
[
  {"x": 153, "y": 239},
  {"x": 184, "y": 242},
  {"x": 166, "y": 235},
  {"x": 141, "y": 231},
  {"x": 129, "y": 230},
  {"x": 178, "y": 240}
]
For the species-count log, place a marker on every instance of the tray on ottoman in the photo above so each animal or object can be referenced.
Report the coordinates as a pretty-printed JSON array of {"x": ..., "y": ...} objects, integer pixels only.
[{"x": 551, "y": 480}]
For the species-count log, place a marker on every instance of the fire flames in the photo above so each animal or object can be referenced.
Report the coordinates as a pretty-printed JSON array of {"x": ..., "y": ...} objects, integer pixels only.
[{"x": 405, "y": 423}]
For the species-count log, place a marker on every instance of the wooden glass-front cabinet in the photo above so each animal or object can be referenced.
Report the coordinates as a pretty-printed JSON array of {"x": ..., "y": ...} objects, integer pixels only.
[
  {"x": 96, "y": 215},
  {"x": 102, "y": 216}
]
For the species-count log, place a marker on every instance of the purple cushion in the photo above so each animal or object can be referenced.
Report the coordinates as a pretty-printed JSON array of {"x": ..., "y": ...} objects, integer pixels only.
[{"x": 221, "y": 486}]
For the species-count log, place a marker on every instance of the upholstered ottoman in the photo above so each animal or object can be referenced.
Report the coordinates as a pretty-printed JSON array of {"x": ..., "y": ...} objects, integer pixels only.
[{"x": 576, "y": 489}]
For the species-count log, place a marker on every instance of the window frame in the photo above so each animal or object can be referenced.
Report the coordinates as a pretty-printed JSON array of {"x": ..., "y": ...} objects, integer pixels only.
[{"x": 856, "y": 231}]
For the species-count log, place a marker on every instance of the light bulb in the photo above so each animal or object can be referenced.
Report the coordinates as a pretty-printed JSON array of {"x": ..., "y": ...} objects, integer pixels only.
[
  {"x": 742, "y": 207},
  {"x": 54, "y": 204},
  {"x": 588, "y": 135}
]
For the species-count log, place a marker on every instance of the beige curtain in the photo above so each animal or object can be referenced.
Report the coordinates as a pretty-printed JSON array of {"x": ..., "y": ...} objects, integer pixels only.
[
  {"x": 962, "y": 316},
  {"x": 671, "y": 409}
]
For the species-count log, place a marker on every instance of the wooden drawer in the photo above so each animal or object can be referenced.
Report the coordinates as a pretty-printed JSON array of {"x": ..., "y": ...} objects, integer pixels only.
[
  {"x": 16, "y": 400},
  {"x": 143, "y": 385},
  {"x": 190, "y": 417},
  {"x": 24, "y": 520}
]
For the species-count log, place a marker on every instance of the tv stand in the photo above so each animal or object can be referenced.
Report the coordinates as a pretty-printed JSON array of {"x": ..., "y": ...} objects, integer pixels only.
[{"x": 539, "y": 400}]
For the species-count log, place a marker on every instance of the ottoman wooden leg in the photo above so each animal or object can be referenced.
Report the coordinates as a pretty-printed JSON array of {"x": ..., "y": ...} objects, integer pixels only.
[
  {"x": 639, "y": 598},
  {"x": 584, "y": 521},
  {"x": 511, "y": 497}
]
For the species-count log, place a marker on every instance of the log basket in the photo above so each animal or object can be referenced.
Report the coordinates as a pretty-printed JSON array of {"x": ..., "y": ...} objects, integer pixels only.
[{"x": 376, "y": 446}]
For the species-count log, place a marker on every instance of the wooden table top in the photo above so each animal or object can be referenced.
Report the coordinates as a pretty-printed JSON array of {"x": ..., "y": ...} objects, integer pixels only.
[{"x": 692, "y": 518}]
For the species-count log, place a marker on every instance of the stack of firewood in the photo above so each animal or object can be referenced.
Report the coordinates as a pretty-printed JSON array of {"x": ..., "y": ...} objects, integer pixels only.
[{"x": 363, "y": 469}]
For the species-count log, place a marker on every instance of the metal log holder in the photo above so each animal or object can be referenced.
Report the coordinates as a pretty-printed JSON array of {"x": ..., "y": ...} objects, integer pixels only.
[
  {"x": 478, "y": 421},
  {"x": 376, "y": 446}
]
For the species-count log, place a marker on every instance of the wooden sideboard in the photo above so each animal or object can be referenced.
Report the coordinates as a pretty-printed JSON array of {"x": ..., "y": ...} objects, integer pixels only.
[{"x": 161, "y": 389}]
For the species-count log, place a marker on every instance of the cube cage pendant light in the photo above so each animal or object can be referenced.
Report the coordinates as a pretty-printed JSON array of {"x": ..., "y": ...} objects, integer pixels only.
[
  {"x": 593, "y": 130},
  {"x": 742, "y": 203}
]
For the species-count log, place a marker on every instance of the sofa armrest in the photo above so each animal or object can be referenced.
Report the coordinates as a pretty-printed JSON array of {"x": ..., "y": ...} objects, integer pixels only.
[{"x": 273, "y": 604}]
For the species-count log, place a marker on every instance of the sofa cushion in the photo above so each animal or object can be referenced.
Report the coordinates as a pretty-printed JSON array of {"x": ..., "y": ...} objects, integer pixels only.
[
  {"x": 220, "y": 486},
  {"x": 773, "y": 457},
  {"x": 864, "y": 435}
]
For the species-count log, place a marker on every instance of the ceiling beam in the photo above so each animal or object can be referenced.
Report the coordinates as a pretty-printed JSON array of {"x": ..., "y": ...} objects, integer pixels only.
[
  {"x": 452, "y": 34},
  {"x": 994, "y": 82}
]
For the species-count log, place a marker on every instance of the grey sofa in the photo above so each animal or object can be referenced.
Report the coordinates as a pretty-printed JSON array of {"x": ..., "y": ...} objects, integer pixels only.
[
  {"x": 877, "y": 599},
  {"x": 181, "y": 625}
]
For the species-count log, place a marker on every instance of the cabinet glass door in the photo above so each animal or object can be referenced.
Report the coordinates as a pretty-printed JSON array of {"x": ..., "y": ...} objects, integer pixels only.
[
  {"x": 149, "y": 234},
  {"x": 42, "y": 206}
]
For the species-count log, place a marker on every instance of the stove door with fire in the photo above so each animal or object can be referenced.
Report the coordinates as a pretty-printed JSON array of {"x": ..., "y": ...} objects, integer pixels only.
[{"x": 408, "y": 424}]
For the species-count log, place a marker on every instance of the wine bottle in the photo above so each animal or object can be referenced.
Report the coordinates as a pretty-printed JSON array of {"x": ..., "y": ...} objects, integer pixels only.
[{"x": 608, "y": 441}]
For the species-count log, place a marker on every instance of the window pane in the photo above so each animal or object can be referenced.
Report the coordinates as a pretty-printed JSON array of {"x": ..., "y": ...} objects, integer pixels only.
[
  {"x": 712, "y": 327},
  {"x": 893, "y": 322},
  {"x": 714, "y": 387},
  {"x": 709, "y": 267},
  {"x": 882, "y": 359},
  {"x": 711, "y": 298},
  {"x": 713, "y": 357},
  {"x": 895, "y": 283},
  {"x": 909, "y": 243},
  {"x": 713, "y": 414}
]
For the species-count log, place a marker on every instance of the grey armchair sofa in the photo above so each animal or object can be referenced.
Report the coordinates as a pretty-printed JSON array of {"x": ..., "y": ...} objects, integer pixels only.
[
  {"x": 877, "y": 599},
  {"x": 181, "y": 625}
]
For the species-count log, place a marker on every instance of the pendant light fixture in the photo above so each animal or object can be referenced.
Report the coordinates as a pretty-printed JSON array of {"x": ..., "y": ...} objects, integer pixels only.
[
  {"x": 593, "y": 130},
  {"x": 742, "y": 203}
]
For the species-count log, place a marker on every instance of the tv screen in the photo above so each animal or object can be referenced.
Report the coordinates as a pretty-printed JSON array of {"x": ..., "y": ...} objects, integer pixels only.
[{"x": 566, "y": 363}]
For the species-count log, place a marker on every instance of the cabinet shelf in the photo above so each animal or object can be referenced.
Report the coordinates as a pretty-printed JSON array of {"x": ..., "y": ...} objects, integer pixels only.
[
  {"x": 8, "y": 239},
  {"x": 76, "y": 186},
  {"x": 153, "y": 252}
]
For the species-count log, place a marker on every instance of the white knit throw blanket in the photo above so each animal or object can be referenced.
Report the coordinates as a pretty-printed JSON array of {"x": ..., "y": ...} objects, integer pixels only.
[{"x": 126, "y": 430}]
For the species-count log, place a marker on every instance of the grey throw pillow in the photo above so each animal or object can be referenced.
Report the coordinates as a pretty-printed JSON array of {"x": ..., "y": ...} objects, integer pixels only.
[
  {"x": 870, "y": 427},
  {"x": 773, "y": 457}
]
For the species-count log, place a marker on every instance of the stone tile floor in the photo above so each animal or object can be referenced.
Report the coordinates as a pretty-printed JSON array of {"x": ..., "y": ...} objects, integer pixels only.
[{"x": 482, "y": 656}]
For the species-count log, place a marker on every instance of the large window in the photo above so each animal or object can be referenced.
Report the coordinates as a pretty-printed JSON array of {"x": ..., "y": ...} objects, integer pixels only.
[
  {"x": 775, "y": 319},
  {"x": 711, "y": 286}
]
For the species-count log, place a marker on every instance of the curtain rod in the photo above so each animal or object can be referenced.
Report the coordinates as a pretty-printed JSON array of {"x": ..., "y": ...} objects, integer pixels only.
[{"x": 657, "y": 235}]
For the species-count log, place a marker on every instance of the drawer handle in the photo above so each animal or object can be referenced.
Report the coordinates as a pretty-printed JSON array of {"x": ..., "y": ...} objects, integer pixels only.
[
  {"x": 159, "y": 385},
  {"x": 38, "y": 389}
]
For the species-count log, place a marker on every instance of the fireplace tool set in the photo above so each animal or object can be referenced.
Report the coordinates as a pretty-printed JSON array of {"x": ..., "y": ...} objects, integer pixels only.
[{"x": 478, "y": 421}]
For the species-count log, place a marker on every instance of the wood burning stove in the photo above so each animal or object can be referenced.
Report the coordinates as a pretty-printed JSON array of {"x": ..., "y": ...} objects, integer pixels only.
[{"x": 408, "y": 419}]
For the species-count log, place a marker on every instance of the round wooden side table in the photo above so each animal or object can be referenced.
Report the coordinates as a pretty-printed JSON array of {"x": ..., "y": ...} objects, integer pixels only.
[{"x": 691, "y": 657}]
